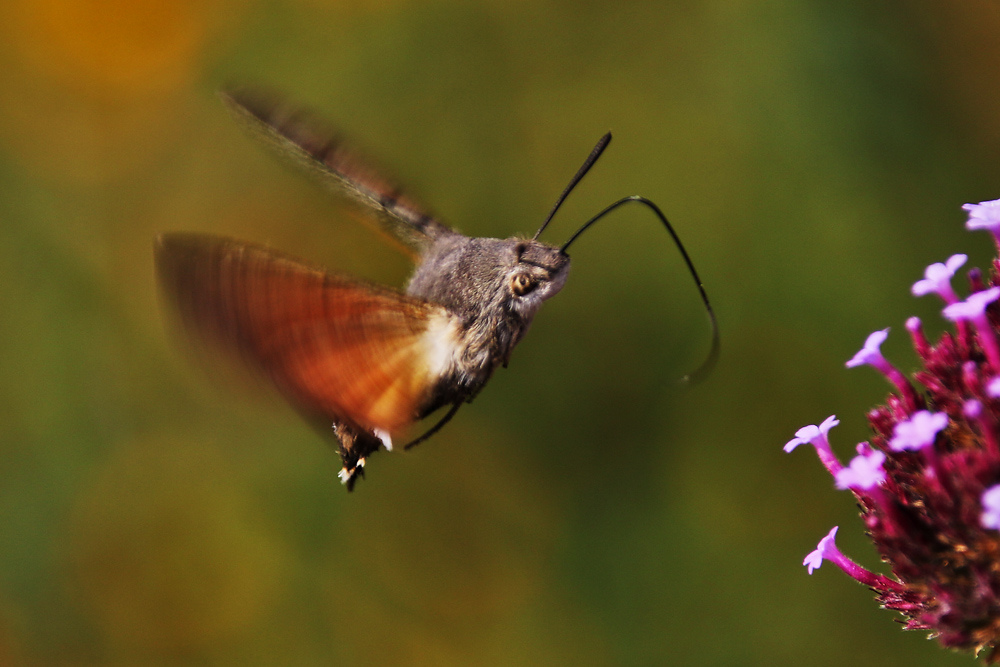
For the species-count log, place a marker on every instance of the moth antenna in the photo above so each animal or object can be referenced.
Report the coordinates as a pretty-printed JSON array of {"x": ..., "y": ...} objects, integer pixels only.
[
  {"x": 437, "y": 427},
  {"x": 705, "y": 368},
  {"x": 581, "y": 172}
]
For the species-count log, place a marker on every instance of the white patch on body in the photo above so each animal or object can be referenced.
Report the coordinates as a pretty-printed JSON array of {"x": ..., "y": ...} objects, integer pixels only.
[
  {"x": 442, "y": 344},
  {"x": 344, "y": 475},
  {"x": 384, "y": 437}
]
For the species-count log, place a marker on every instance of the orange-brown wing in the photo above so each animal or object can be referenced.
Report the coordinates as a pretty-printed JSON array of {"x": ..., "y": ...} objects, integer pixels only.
[{"x": 338, "y": 348}]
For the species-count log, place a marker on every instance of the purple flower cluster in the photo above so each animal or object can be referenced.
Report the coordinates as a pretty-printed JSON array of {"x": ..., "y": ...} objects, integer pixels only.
[{"x": 928, "y": 482}]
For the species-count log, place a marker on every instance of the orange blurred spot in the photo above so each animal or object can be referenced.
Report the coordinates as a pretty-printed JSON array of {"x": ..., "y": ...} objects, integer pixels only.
[
  {"x": 96, "y": 88},
  {"x": 115, "y": 45}
]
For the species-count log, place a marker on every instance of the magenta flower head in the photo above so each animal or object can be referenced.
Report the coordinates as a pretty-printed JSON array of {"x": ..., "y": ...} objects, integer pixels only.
[
  {"x": 937, "y": 279},
  {"x": 928, "y": 480}
]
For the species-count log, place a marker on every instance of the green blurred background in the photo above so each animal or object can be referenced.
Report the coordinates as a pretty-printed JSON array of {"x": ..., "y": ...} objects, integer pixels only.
[{"x": 585, "y": 510}]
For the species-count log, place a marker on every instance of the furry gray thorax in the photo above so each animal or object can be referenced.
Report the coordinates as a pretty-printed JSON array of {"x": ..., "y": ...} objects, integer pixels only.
[{"x": 494, "y": 287}]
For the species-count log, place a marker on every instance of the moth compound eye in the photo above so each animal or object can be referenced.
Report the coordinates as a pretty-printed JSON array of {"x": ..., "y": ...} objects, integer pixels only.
[{"x": 522, "y": 283}]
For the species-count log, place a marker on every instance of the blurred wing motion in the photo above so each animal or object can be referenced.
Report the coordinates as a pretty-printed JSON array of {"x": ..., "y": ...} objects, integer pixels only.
[
  {"x": 311, "y": 144},
  {"x": 361, "y": 358}
]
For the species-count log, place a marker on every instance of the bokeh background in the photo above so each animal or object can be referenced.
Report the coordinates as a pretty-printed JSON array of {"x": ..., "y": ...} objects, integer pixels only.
[{"x": 585, "y": 510}]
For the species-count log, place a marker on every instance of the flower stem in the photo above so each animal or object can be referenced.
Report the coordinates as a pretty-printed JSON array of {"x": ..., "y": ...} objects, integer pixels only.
[
  {"x": 879, "y": 582},
  {"x": 913, "y": 401}
]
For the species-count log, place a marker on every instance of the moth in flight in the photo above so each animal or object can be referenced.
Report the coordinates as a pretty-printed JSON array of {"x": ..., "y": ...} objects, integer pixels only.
[{"x": 361, "y": 361}]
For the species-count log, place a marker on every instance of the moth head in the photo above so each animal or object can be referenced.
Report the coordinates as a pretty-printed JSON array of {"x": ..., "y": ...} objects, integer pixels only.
[
  {"x": 490, "y": 280},
  {"x": 538, "y": 273}
]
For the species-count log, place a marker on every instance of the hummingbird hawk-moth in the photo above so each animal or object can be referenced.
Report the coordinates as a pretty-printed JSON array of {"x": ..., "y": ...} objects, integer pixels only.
[{"x": 361, "y": 361}]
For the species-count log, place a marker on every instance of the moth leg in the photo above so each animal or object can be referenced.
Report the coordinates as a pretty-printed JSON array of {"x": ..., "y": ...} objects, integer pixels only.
[{"x": 354, "y": 446}]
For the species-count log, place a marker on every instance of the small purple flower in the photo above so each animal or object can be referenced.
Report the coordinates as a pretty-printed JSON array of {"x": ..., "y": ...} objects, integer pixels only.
[
  {"x": 918, "y": 432},
  {"x": 870, "y": 353},
  {"x": 864, "y": 472},
  {"x": 826, "y": 548},
  {"x": 812, "y": 434},
  {"x": 937, "y": 279},
  {"x": 993, "y": 388},
  {"x": 984, "y": 215},
  {"x": 817, "y": 437},
  {"x": 973, "y": 307},
  {"x": 991, "y": 508}
]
